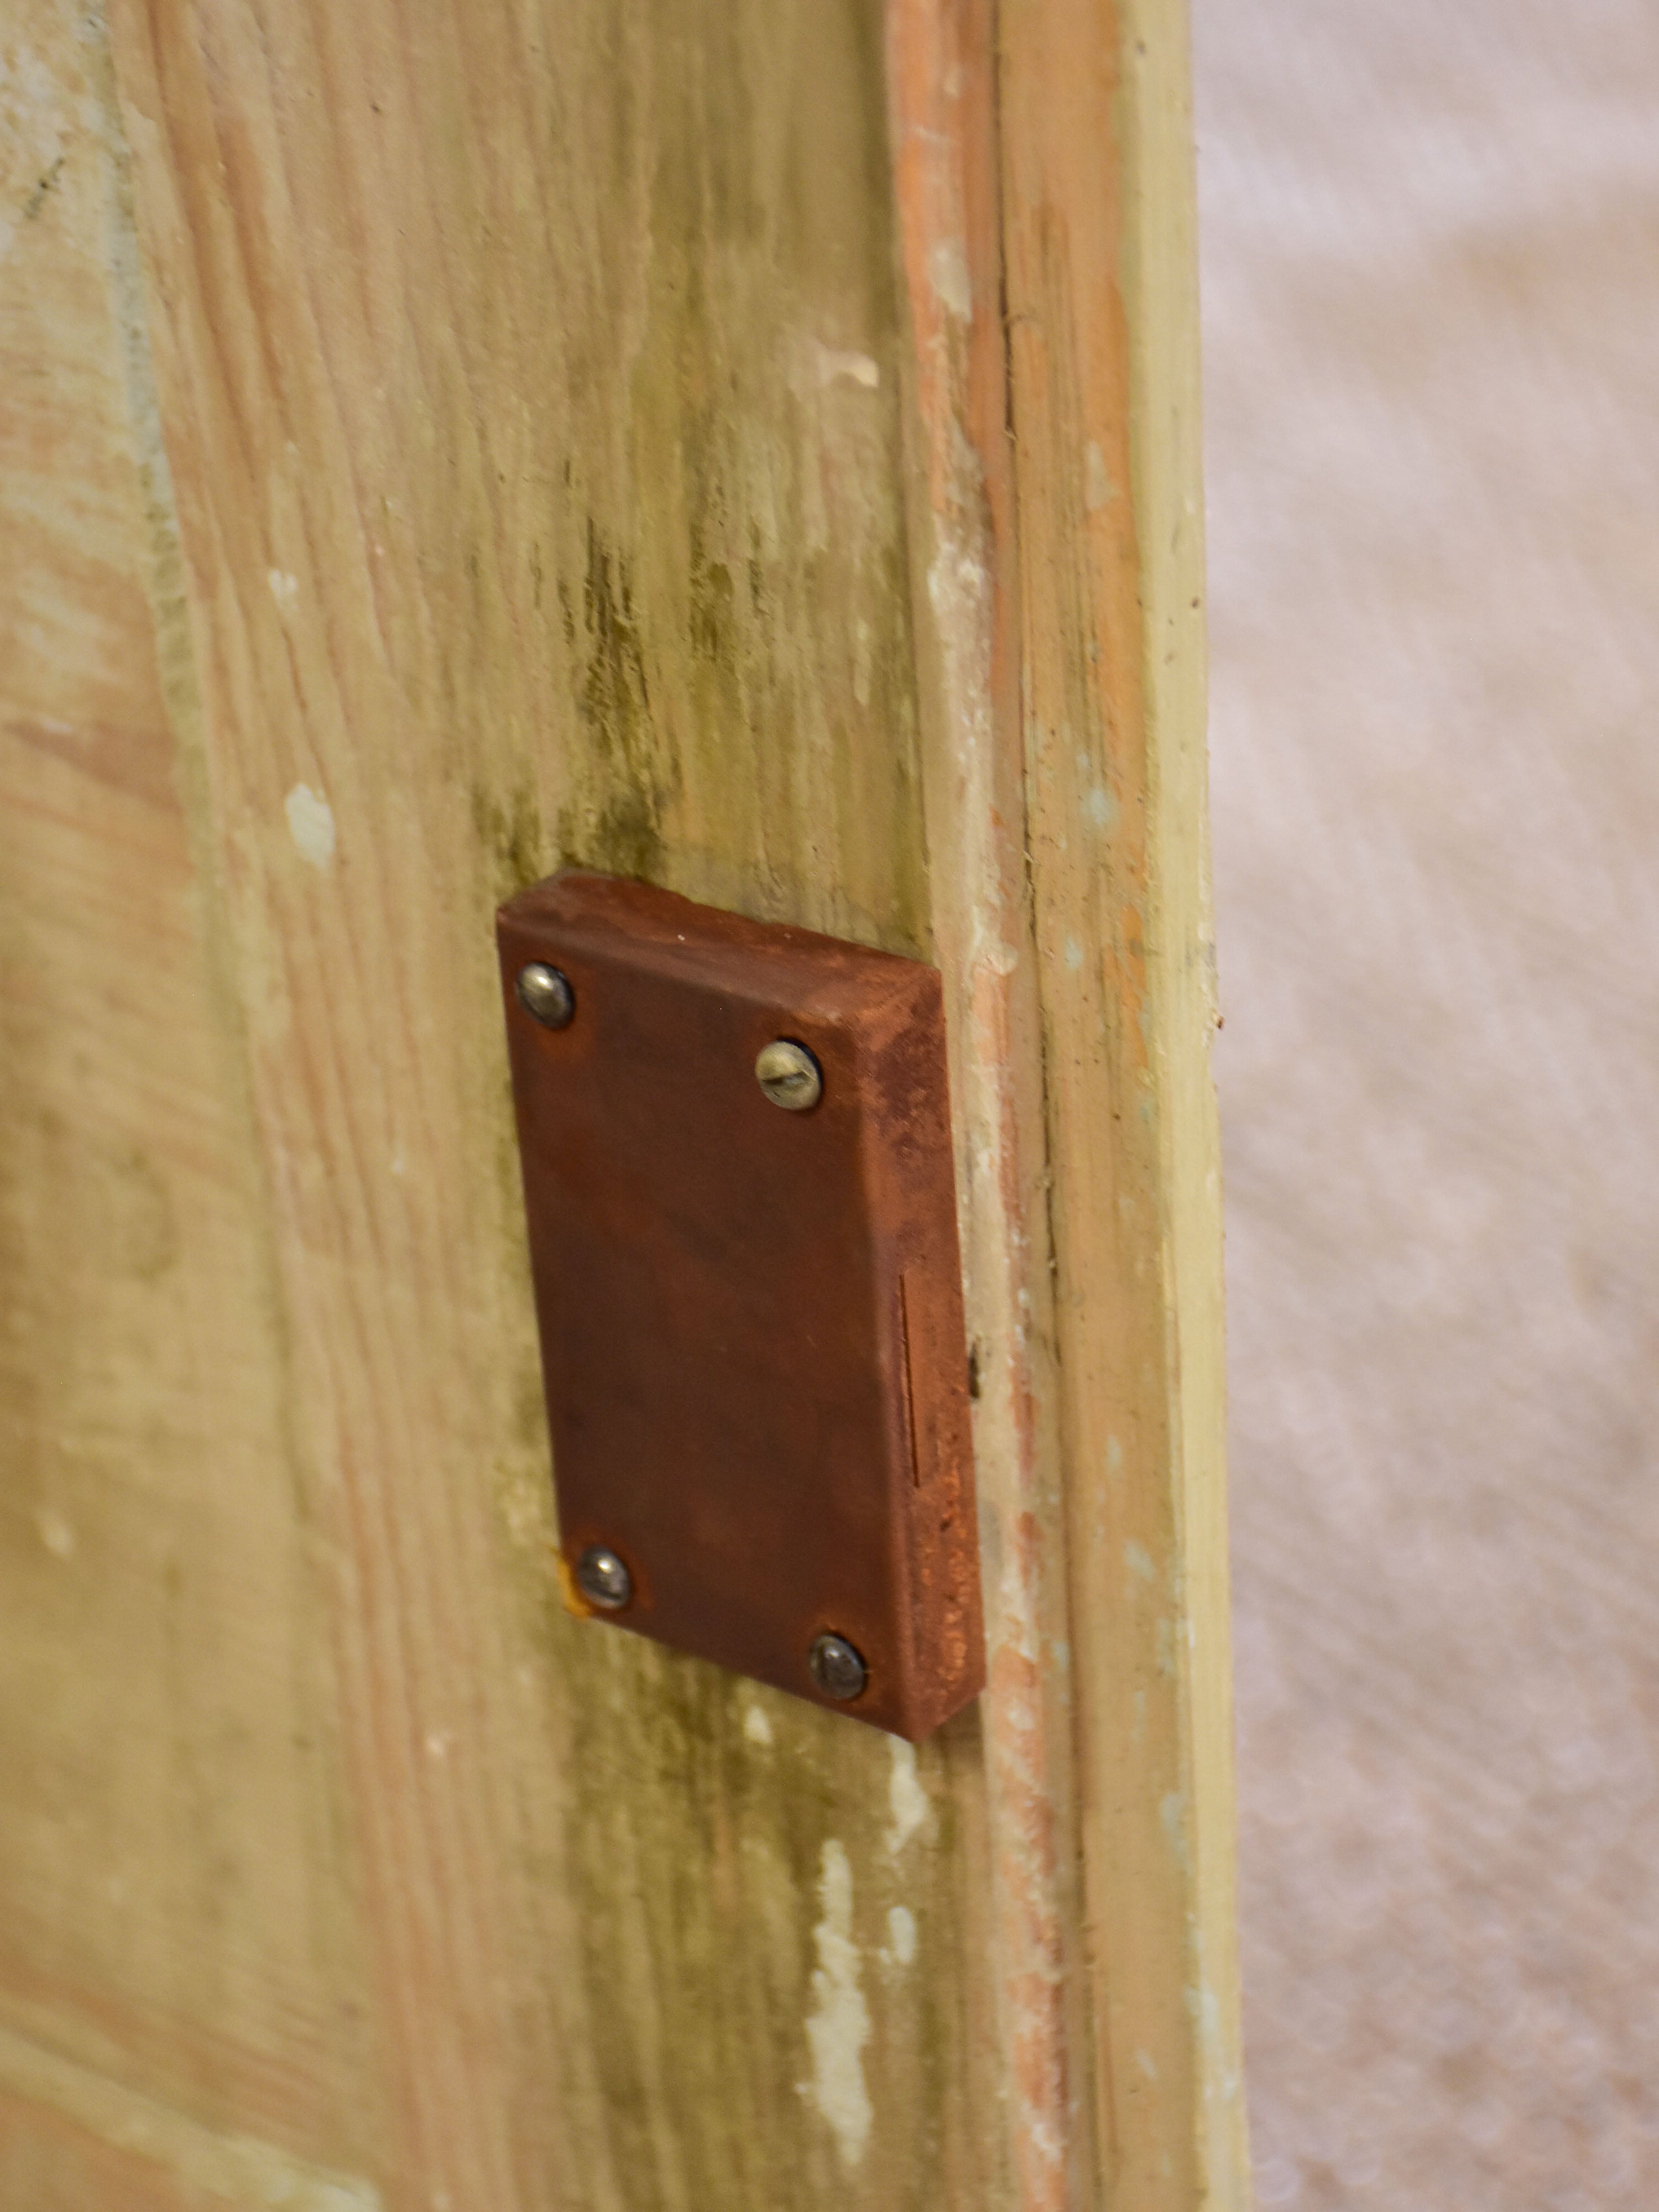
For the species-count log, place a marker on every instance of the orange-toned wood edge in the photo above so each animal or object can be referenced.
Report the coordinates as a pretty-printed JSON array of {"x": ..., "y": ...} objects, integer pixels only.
[{"x": 1043, "y": 172}]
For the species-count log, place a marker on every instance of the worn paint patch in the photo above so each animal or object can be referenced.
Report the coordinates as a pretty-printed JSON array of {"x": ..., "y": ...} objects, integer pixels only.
[
  {"x": 906, "y": 1795},
  {"x": 284, "y": 588},
  {"x": 947, "y": 269},
  {"x": 839, "y": 2026},
  {"x": 757, "y": 1726},
  {"x": 901, "y": 1945},
  {"x": 838, "y": 364},
  {"x": 55, "y": 1533},
  {"x": 311, "y": 825},
  {"x": 1098, "y": 486},
  {"x": 1138, "y": 1560}
]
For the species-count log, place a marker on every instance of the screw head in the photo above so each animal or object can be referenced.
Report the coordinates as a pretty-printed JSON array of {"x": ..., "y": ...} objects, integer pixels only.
[
  {"x": 603, "y": 1578},
  {"x": 837, "y": 1668},
  {"x": 789, "y": 1075},
  {"x": 546, "y": 994}
]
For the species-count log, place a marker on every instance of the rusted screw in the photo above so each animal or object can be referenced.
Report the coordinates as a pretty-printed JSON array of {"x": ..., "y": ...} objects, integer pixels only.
[
  {"x": 546, "y": 994},
  {"x": 837, "y": 1668},
  {"x": 603, "y": 1578},
  {"x": 789, "y": 1075}
]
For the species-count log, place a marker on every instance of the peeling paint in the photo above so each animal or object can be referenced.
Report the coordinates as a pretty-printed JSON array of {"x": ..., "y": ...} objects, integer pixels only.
[
  {"x": 757, "y": 1726},
  {"x": 947, "y": 268},
  {"x": 836, "y": 365},
  {"x": 311, "y": 825},
  {"x": 906, "y": 1795},
  {"x": 901, "y": 1945},
  {"x": 839, "y": 2026}
]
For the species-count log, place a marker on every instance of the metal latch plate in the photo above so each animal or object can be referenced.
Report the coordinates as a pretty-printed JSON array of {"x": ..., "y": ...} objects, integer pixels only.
[{"x": 751, "y": 1319}]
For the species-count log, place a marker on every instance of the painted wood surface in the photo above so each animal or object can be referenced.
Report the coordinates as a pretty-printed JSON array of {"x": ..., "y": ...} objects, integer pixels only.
[{"x": 746, "y": 447}]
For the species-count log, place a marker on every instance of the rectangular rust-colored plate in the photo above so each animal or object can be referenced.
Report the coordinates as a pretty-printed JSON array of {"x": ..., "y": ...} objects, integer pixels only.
[{"x": 751, "y": 1319}]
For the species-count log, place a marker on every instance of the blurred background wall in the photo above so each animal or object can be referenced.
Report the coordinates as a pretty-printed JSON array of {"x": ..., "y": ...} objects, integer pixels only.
[{"x": 1432, "y": 300}]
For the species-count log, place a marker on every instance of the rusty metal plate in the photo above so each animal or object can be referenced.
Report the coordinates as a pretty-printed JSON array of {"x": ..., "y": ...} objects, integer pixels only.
[{"x": 751, "y": 1313}]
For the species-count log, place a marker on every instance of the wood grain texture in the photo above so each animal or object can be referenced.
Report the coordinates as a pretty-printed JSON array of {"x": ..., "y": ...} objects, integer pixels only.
[
  {"x": 1099, "y": 265},
  {"x": 73, "y": 2139},
  {"x": 1051, "y": 267},
  {"x": 583, "y": 435},
  {"x": 530, "y": 384},
  {"x": 170, "y": 1912}
]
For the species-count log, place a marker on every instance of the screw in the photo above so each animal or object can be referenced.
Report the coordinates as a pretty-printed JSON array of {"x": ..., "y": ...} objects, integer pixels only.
[
  {"x": 789, "y": 1075},
  {"x": 605, "y": 1581},
  {"x": 837, "y": 1668},
  {"x": 546, "y": 994}
]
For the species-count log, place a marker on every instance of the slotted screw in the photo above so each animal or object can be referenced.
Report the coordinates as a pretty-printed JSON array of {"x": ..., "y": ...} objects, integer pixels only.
[
  {"x": 837, "y": 1668},
  {"x": 546, "y": 994},
  {"x": 604, "y": 1579},
  {"x": 789, "y": 1075}
]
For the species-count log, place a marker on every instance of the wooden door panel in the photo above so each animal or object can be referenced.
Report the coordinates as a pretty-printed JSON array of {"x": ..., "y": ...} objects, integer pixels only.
[
  {"x": 172, "y": 1911},
  {"x": 449, "y": 441}
]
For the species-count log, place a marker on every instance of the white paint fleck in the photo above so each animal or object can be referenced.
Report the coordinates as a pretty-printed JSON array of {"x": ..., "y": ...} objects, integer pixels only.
[
  {"x": 55, "y": 1532},
  {"x": 839, "y": 2026},
  {"x": 1073, "y": 955},
  {"x": 1098, "y": 486},
  {"x": 311, "y": 825},
  {"x": 1147, "y": 2064},
  {"x": 901, "y": 1948},
  {"x": 1100, "y": 807},
  {"x": 836, "y": 364},
  {"x": 284, "y": 588},
  {"x": 947, "y": 267},
  {"x": 437, "y": 1744},
  {"x": 905, "y": 1795},
  {"x": 757, "y": 1726},
  {"x": 1140, "y": 1561}
]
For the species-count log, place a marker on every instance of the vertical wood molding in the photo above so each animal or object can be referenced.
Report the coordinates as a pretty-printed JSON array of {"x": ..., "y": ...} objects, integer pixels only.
[
  {"x": 943, "y": 94},
  {"x": 1160, "y": 251},
  {"x": 1044, "y": 155}
]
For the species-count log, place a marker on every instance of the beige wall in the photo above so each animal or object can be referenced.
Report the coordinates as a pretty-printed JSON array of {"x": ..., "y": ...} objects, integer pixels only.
[{"x": 1432, "y": 263}]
